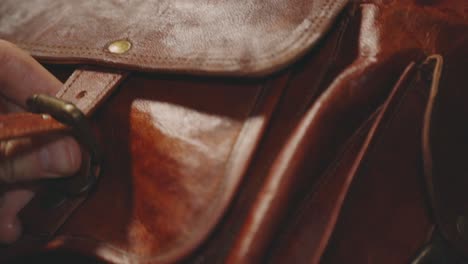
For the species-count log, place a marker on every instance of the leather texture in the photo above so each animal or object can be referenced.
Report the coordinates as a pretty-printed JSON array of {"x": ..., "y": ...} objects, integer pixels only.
[
  {"x": 224, "y": 37},
  {"x": 382, "y": 190},
  {"x": 321, "y": 162},
  {"x": 27, "y": 124},
  {"x": 187, "y": 185},
  {"x": 308, "y": 230},
  {"x": 88, "y": 88}
]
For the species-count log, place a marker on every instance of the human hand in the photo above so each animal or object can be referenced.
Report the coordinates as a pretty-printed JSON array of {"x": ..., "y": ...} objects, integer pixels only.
[{"x": 29, "y": 159}]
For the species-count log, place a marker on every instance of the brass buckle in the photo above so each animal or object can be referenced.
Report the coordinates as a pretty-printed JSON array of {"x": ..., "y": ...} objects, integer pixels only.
[{"x": 70, "y": 115}]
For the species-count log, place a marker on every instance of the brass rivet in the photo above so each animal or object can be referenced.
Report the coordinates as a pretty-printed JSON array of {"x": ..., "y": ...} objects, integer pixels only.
[{"x": 119, "y": 46}]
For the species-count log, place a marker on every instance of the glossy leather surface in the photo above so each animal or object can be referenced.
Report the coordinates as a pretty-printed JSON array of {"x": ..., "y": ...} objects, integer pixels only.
[
  {"x": 312, "y": 224},
  {"x": 388, "y": 190},
  {"x": 187, "y": 151},
  {"x": 367, "y": 72},
  {"x": 173, "y": 192},
  {"x": 176, "y": 174}
]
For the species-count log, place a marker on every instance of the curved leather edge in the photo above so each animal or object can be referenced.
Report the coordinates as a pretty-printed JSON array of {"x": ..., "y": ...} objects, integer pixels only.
[
  {"x": 314, "y": 221},
  {"x": 443, "y": 139},
  {"x": 242, "y": 152},
  {"x": 271, "y": 57}
]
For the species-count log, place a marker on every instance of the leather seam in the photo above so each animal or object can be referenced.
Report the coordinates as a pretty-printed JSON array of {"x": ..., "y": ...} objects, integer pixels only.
[
  {"x": 378, "y": 138},
  {"x": 326, "y": 178},
  {"x": 312, "y": 93}
]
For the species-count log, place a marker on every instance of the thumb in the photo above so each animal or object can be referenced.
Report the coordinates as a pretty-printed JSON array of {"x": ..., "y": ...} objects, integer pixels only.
[{"x": 61, "y": 157}]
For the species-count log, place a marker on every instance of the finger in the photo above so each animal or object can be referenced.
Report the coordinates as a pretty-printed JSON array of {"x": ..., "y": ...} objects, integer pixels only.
[
  {"x": 21, "y": 75},
  {"x": 7, "y": 106},
  {"x": 11, "y": 203},
  {"x": 61, "y": 157}
]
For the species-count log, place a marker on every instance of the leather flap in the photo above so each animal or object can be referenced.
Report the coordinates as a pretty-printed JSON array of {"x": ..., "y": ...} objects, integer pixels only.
[{"x": 251, "y": 37}]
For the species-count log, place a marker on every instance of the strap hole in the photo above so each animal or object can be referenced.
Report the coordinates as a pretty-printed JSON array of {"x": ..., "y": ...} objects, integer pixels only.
[{"x": 81, "y": 95}]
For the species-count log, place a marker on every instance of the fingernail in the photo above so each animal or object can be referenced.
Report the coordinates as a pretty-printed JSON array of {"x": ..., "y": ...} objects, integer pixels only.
[{"x": 60, "y": 158}]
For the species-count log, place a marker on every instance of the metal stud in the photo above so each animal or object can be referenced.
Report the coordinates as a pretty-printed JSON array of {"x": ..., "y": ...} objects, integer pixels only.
[{"x": 119, "y": 46}]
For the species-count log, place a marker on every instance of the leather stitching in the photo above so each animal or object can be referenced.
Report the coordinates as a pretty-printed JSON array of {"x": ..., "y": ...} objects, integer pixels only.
[
  {"x": 69, "y": 84},
  {"x": 287, "y": 48},
  {"x": 98, "y": 97}
]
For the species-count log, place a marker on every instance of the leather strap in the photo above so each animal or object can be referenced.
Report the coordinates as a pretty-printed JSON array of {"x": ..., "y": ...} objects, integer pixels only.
[
  {"x": 27, "y": 124},
  {"x": 87, "y": 88}
]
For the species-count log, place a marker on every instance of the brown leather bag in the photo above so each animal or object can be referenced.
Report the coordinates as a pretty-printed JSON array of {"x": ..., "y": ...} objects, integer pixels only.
[{"x": 303, "y": 131}]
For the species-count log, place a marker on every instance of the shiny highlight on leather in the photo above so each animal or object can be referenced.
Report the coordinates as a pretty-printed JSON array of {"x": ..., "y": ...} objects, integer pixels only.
[{"x": 320, "y": 163}]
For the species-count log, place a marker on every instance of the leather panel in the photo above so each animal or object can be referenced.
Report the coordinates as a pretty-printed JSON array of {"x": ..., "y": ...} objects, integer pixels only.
[
  {"x": 218, "y": 37},
  {"x": 386, "y": 204},
  {"x": 309, "y": 229},
  {"x": 173, "y": 163}
]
